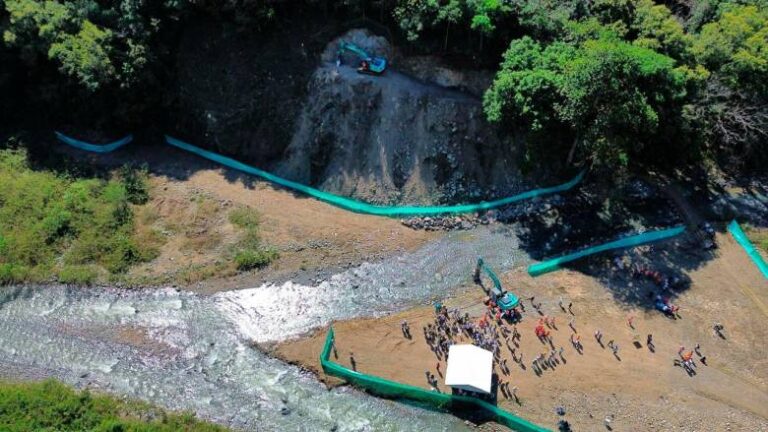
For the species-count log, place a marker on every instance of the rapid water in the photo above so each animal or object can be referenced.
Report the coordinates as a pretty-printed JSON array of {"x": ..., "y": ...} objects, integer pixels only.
[
  {"x": 276, "y": 312},
  {"x": 191, "y": 352}
]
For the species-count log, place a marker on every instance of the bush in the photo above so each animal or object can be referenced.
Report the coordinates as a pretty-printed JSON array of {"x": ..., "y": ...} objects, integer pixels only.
[
  {"x": 125, "y": 252},
  {"x": 135, "y": 182},
  {"x": 57, "y": 224},
  {"x": 78, "y": 275},
  {"x": 251, "y": 254},
  {"x": 10, "y": 273},
  {"x": 249, "y": 259}
]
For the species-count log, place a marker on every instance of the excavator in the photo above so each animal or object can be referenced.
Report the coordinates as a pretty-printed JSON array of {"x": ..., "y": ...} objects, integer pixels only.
[
  {"x": 368, "y": 64},
  {"x": 504, "y": 299}
]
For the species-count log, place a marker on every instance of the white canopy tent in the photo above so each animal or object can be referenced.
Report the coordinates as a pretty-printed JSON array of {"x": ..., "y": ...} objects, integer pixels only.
[{"x": 469, "y": 368}]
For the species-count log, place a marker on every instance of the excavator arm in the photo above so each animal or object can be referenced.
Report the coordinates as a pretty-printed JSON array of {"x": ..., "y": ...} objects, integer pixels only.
[{"x": 345, "y": 46}]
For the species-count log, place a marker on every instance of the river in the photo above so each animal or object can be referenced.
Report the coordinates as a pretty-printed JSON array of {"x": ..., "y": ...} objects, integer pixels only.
[{"x": 191, "y": 352}]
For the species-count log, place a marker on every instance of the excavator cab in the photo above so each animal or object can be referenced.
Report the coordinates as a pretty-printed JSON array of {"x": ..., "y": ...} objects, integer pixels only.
[
  {"x": 368, "y": 64},
  {"x": 372, "y": 65}
]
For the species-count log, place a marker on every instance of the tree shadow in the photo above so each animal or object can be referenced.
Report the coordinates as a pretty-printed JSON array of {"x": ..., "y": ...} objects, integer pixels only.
[
  {"x": 593, "y": 214},
  {"x": 160, "y": 160},
  {"x": 733, "y": 194}
]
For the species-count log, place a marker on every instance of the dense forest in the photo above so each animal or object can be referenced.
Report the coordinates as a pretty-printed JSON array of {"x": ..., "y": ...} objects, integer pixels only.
[{"x": 622, "y": 83}]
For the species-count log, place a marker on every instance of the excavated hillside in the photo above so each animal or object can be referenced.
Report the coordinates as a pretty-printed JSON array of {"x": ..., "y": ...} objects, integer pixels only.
[
  {"x": 392, "y": 138},
  {"x": 389, "y": 138}
]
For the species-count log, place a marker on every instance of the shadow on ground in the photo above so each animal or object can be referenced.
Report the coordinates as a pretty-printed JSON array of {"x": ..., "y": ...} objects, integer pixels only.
[{"x": 594, "y": 214}]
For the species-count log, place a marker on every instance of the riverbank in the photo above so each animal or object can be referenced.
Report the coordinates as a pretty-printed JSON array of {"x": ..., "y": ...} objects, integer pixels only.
[
  {"x": 186, "y": 352},
  {"x": 189, "y": 205},
  {"x": 642, "y": 390}
]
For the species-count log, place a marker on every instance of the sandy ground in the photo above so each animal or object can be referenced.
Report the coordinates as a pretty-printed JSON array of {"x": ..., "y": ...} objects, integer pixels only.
[
  {"x": 190, "y": 202},
  {"x": 643, "y": 390}
]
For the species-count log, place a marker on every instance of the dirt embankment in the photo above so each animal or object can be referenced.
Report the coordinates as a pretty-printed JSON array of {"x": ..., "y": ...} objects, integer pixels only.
[
  {"x": 641, "y": 389},
  {"x": 189, "y": 208},
  {"x": 281, "y": 104}
]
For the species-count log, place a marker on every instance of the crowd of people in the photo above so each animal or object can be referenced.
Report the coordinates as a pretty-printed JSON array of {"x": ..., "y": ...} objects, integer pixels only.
[
  {"x": 664, "y": 282},
  {"x": 496, "y": 330}
]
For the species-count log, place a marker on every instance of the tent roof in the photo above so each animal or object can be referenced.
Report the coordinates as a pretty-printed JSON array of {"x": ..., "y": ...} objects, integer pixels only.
[{"x": 469, "y": 368}]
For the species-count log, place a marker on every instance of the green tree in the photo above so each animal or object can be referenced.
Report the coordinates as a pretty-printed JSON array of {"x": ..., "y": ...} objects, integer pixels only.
[
  {"x": 85, "y": 55},
  {"x": 736, "y": 46},
  {"x": 449, "y": 13},
  {"x": 413, "y": 15},
  {"x": 611, "y": 96},
  {"x": 92, "y": 42},
  {"x": 613, "y": 11},
  {"x": 546, "y": 19},
  {"x": 659, "y": 30},
  {"x": 527, "y": 89},
  {"x": 615, "y": 95},
  {"x": 485, "y": 14}
]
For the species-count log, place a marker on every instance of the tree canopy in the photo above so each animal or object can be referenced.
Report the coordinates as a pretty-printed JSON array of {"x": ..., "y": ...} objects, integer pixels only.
[
  {"x": 94, "y": 43},
  {"x": 616, "y": 80},
  {"x": 610, "y": 94},
  {"x": 630, "y": 79}
]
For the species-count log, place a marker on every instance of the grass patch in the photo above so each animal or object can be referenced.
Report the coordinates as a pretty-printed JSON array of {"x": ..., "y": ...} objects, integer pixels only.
[
  {"x": 135, "y": 183},
  {"x": 202, "y": 242},
  {"x": 199, "y": 272},
  {"x": 52, "y": 406},
  {"x": 250, "y": 253},
  {"x": 758, "y": 237},
  {"x": 762, "y": 243},
  {"x": 56, "y": 225},
  {"x": 78, "y": 275},
  {"x": 245, "y": 218}
]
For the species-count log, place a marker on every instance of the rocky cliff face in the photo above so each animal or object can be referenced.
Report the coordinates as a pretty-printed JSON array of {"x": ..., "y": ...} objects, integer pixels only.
[{"x": 389, "y": 138}]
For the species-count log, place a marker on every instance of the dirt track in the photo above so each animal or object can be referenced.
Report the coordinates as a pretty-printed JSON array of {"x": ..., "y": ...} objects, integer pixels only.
[{"x": 643, "y": 390}]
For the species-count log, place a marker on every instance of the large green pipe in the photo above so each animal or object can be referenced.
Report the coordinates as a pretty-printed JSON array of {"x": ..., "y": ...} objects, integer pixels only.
[
  {"x": 96, "y": 148},
  {"x": 550, "y": 265},
  {"x": 395, "y": 390},
  {"x": 749, "y": 248},
  {"x": 362, "y": 207}
]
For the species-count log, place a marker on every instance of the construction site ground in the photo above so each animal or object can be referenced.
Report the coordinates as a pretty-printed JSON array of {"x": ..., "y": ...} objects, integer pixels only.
[{"x": 639, "y": 390}]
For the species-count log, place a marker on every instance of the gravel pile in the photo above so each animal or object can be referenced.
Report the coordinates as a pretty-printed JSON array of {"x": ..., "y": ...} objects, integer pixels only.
[{"x": 507, "y": 214}]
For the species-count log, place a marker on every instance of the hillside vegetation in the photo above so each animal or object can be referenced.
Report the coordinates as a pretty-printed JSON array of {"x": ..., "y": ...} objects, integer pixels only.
[
  {"x": 73, "y": 229},
  {"x": 619, "y": 83},
  {"x": 85, "y": 229},
  {"x": 52, "y": 406}
]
